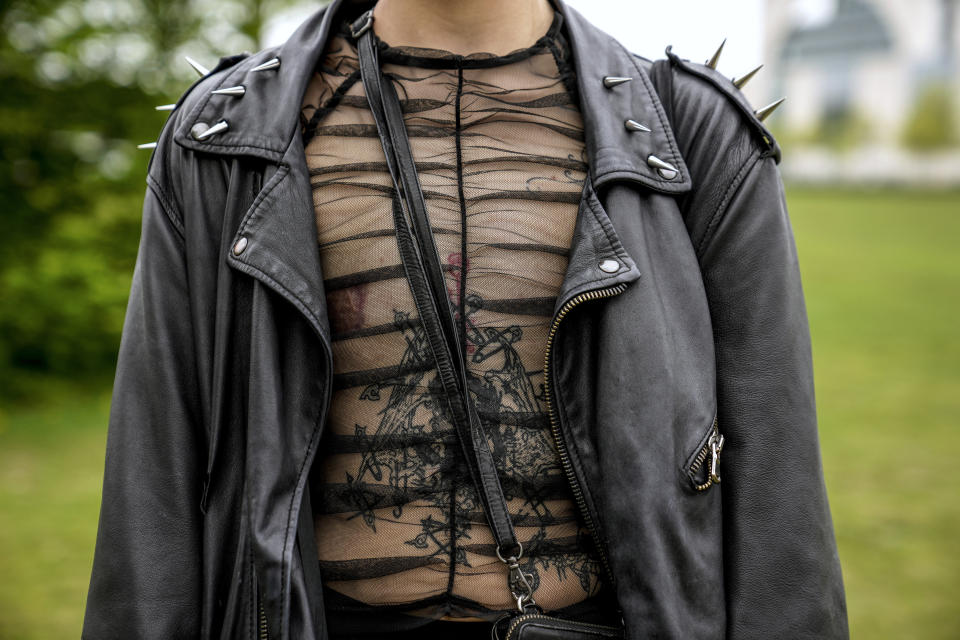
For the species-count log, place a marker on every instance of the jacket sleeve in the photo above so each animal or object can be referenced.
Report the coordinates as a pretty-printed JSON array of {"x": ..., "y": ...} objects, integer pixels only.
[
  {"x": 781, "y": 568},
  {"x": 145, "y": 581}
]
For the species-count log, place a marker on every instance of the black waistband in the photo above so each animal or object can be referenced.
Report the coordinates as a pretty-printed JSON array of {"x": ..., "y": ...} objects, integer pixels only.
[{"x": 350, "y": 618}]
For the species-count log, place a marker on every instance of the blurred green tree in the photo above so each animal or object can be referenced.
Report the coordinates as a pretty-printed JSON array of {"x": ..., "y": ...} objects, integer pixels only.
[
  {"x": 80, "y": 80},
  {"x": 932, "y": 122}
]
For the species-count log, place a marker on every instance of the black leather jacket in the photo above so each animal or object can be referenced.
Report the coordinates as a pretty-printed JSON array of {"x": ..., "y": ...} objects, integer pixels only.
[{"x": 223, "y": 377}]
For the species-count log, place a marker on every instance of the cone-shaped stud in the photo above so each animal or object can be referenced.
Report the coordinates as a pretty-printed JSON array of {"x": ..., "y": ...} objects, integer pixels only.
[
  {"x": 633, "y": 125},
  {"x": 712, "y": 62},
  {"x": 147, "y": 145},
  {"x": 203, "y": 134},
  {"x": 612, "y": 81},
  {"x": 272, "y": 63},
  {"x": 237, "y": 91},
  {"x": 763, "y": 114},
  {"x": 666, "y": 170},
  {"x": 741, "y": 82},
  {"x": 165, "y": 107},
  {"x": 657, "y": 163},
  {"x": 199, "y": 68}
]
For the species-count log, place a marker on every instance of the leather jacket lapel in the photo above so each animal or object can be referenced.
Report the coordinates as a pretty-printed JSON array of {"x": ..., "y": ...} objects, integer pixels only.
[
  {"x": 596, "y": 258},
  {"x": 276, "y": 241},
  {"x": 617, "y": 152},
  {"x": 277, "y": 238}
]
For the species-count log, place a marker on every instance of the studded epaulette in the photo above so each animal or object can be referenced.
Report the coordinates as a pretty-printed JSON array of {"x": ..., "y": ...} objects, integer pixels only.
[{"x": 731, "y": 88}]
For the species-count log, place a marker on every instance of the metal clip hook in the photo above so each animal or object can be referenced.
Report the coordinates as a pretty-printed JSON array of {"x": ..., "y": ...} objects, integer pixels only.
[{"x": 519, "y": 583}]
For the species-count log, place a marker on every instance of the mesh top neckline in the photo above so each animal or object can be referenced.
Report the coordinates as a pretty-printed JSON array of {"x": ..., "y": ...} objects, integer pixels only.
[{"x": 443, "y": 59}]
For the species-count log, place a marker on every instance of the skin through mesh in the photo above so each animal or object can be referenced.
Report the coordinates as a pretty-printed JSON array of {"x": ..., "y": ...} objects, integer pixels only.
[{"x": 498, "y": 145}]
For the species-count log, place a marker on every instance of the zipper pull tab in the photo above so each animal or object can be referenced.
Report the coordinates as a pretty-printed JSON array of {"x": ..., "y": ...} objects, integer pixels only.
[{"x": 716, "y": 446}]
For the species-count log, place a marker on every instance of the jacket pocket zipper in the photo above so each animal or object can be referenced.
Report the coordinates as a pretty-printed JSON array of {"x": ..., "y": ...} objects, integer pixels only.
[
  {"x": 555, "y": 430},
  {"x": 711, "y": 448}
]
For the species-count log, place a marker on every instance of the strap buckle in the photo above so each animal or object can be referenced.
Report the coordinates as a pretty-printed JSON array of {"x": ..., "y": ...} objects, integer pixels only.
[{"x": 365, "y": 22}]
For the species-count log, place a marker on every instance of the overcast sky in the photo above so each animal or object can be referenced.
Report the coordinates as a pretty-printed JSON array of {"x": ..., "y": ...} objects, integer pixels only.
[{"x": 694, "y": 27}]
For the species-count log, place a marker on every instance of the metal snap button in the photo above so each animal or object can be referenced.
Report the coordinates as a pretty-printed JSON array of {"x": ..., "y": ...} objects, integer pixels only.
[
  {"x": 666, "y": 170},
  {"x": 197, "y": 130},
  {"x": 201, "y": 131},
  {"x": 239, "y": 246},
  {"x": 609, "y": 266}
]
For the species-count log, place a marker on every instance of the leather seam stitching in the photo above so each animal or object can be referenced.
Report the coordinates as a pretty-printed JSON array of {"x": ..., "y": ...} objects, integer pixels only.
[
  {"x": 770, "y": 147},
  {"x": 168, "y": 208},
  {"x": 293, "y": 500},
  {"x": 255, "y": 207},
  {"x": 724, "y": 203},
  {"x": 593, "y": 201}
]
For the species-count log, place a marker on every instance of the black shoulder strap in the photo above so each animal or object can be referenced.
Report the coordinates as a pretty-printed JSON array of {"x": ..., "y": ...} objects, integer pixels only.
[{"x": 425, "y": 277}]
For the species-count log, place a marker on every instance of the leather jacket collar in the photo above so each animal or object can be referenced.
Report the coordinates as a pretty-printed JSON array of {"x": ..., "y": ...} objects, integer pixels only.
[
  {"x": 278, "y": 234},
  {"x": 256, "y": 127}
]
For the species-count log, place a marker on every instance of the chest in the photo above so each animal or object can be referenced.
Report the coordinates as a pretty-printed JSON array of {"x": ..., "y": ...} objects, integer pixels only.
[{"x": 501, "y": 158}]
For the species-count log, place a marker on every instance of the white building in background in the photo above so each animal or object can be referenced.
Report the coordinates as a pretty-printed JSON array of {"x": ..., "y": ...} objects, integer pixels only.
[{"x": 867, "y": 58}]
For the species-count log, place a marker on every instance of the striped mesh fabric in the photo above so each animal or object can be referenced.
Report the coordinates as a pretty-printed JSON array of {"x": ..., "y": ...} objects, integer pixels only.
[{"x": 498, "y": 144}]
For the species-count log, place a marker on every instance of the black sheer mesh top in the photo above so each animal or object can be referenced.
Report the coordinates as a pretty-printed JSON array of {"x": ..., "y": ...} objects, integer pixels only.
[{"x": 499, "y": 147}]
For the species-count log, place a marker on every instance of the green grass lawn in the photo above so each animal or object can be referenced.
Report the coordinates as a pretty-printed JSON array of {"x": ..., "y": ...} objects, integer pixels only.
[
  {"x": 882, "y": 278},
  {"x": 51, "y": 468},
  {"x": 881, "y": 275}
]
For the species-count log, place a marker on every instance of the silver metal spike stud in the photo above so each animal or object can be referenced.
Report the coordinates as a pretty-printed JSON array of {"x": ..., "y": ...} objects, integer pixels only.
[
  {"x": 741, "y": 82},
  {"x": 201, "y": 132},
  {"x": 612, "y": 81},
  {"x": 147, "y": 145},
  {"x": 199, "y": 68},
  {"x": 666, "y": 170},
  {"x": 764, "y": 113},
  {"x": 712, "y": 62},
  {"x": 633, "y": 125},
  {"x": 165, "y": 107},
  {"x": 272, "y": 63},
  {"x": 237, "y": 91}
]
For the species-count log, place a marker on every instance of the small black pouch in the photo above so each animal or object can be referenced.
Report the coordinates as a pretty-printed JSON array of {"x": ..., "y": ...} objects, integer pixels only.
[{"x": 539, "y": 626}]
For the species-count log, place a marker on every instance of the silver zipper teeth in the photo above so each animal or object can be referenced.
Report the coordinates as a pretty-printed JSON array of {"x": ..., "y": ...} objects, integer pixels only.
[
  {"x": 555, "y": 424},
  {"x": 561, "y": 448},
  {"x": 262, "y": 632},
  {"x": 701, "y": 456}
]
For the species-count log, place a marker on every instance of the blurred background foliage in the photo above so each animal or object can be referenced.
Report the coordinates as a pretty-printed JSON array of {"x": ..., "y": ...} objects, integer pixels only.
[
  {"x": 80, "y": 81},
  {"x": 932, "y": 123}
]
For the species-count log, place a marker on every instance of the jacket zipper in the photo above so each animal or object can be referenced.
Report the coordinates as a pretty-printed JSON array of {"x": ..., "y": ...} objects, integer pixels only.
[
  {"x": 712, "y": 447},
  {"x": 262, "y": 624},
  {"x": 555, "y": 429}
]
